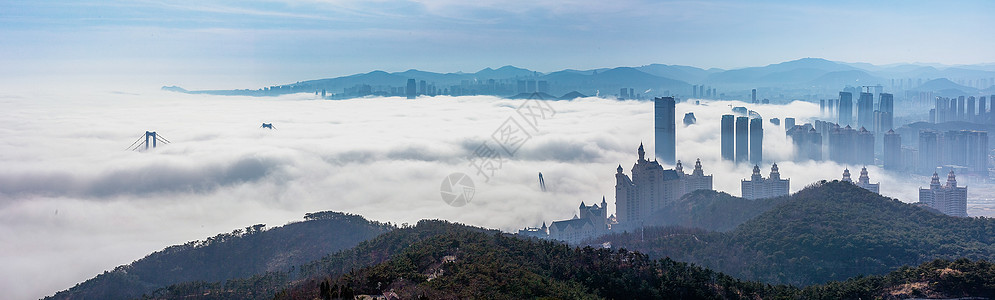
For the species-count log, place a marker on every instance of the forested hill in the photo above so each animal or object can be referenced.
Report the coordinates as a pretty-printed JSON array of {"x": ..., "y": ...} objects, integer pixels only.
[
  {"x": 241, "y": 253},
  {"x": 828, "y": 231}
]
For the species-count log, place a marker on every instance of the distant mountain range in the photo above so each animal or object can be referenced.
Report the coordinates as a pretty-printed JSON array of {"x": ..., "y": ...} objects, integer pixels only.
[{"x": 806, "y": 76}]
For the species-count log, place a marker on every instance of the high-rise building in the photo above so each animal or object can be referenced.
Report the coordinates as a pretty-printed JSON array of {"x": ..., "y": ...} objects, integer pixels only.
[
  {"x": 807, "y": 142},
  {"x": 970, "y": 116},
  {"x": 960, "y": 109},
  {"x": 753, "y": 99},
  {"x": 411, "y": 91},
  {"x": 864, "y": 147},
  {"x": 865, "y": 110},
  {"x": 623, "y": 94},
  {"x": 422, "y": 87},
  {"x": 758, "y": 187},
  {"x": 650, "y": 188},
  {"x": 742, "y": 139},
  {"x": 842, "y": 145},
  {"x": 982, "y": 111},
  {"x": 845, "y": 109},
  {"x": 756, "y": 140},
  {"x": 892, "y": 150},
  {"x": 789, "y": 123},
  {"x": 694, "y": 91},
  {"x": 887, "y": 108},
  {"x": 728, "y": 137},
  {"x": 822, "y": 107},
  {"x": 948, "y": 199},
  {"x": 666, "y": 129},
  {"x": 929, "y": 152}
]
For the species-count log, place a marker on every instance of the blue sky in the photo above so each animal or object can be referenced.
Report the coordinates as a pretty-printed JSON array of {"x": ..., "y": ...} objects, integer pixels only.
[{"x": 247, "y": 44}]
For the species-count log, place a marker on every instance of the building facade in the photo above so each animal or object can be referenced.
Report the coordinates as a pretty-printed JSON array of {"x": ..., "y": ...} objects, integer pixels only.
[
  {"x": 772, "y": 186},
  {"x": 651, "y": 187},
  {"x": 949, "y": 199}
]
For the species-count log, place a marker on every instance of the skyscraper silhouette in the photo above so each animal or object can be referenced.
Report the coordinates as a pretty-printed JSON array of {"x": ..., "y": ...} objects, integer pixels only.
[
  {"x": 728, "y": 137},
  {"x": 845, "y": 109},
  {"x": 865, "y": 111},
  {"x": 742, "y": 139},
  {"x": 892, "y": 150},
  {"x": 411, "y": 91},
  {"x": 666, "y": 135},
  {"x": 756, "y": 140}
]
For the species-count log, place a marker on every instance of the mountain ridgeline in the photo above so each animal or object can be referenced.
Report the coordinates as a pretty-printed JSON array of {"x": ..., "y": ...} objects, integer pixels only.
[
  {"x": 793, "y": 78},
  {"x": 241, "y": 253},
  {"x": 832, "y": 240},
  {"x": 828, "y": 231}
]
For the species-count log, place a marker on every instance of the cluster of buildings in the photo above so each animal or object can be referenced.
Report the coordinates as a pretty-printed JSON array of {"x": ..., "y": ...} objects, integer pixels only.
[
  {"x": 742, "y": 138},
  {"x": 863, "y": 181},
  {"x": 650, "y": 188},
  {"x": 963, "y": 110}
]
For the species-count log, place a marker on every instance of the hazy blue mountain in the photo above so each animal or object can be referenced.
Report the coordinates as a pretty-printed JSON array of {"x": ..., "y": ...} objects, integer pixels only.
[
  {"x": 504, "y": 73},
  {"x": 843, "y": 78},
  {"x": 790, "y": 72},
  {"x": 684, "y": 73},
  {"x": 945, "y": 87}
]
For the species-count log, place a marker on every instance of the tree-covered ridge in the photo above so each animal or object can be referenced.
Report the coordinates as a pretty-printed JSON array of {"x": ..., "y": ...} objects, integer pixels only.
[
  {"x": 367, "y": 253},
  {"x": 465, "y": 264},
  {"x": 828, "y": 231},
  {"x": 712, "y": 210},
  {"x": 938, "y": 279},
  {"x": 241, "y": 253}
]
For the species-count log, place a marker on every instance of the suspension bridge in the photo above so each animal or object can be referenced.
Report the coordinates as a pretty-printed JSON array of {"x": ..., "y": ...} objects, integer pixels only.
[{"x": 151, "y": 140}]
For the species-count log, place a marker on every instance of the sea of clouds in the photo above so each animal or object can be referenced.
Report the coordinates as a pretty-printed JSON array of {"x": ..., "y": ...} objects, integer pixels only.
[{"x": 74, "y": 202}]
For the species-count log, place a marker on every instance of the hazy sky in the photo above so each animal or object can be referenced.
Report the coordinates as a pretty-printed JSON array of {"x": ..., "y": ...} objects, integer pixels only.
[{"x": 248, "y": 44}]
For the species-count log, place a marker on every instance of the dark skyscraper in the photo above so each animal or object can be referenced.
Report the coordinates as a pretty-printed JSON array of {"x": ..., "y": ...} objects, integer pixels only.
[
  {"x": 892, "y": 150},
  {"x": 929, "y": 155},
  {"x": 845, "y": 109},
  {"x": 970, "y": 116},
  {"x": 756, "y": 141},
  {"x": 960, "y": 108},
  {"x": 411, "y": 90},
  {"x": 982, "y": 111},
  {"x": 754, "y": 98},
  {"x": 887, "y": 108},
  {"x": 865, "y": 111},
  {"x": 666, "y": 134},
  {"x": 728, "y": 137},
  {"x": 742, "y": 139}
]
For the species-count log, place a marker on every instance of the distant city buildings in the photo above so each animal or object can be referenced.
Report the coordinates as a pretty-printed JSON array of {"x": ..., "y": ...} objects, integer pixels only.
[
  {"x": 728, "y": 137},
  {"x": 845, "y": 109},
  {"x": 948, "y": 199},
  {"x": 772, "y": 186},
  {"x": 961, "y": 148}
]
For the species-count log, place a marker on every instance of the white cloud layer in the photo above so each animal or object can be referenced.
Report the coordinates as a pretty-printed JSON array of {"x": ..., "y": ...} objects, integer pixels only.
[{"x": 74, "y": 203}]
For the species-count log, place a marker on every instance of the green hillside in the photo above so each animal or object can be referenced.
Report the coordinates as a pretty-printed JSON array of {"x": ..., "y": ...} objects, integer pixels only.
[
  {"x": 241, "y": 253},
  {"x": 828, "y": 231}
]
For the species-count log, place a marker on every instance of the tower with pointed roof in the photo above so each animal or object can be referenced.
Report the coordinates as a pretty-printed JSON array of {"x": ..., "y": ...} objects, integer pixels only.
[{"x": 650, "y": 188}]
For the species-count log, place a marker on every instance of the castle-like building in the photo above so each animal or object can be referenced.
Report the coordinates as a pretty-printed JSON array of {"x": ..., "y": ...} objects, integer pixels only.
[
  {"x": 863, "y": 181},
  {"x": 948, "y": 199},
  {"x": 651, "y": 187},
  {"x": 592, "y": 222},
  {"x": 772, "y": 186}
]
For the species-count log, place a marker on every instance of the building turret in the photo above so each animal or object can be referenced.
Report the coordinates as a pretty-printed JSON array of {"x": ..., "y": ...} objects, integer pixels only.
[
  {"x": 846, "y": 175},
  {"x": 619, "y": 169},
  {"x": 697, "y": 169},
  {"x": 679, "y": 168},
  {"x": 951, "y": 179},
  {"x": 935, "y": 183},
  {"x": 756, "y": 173},
  {"x": 642, "y": 153},
  {"x": 774, "y": 173},
  {"x": 864, "y": 179}
]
